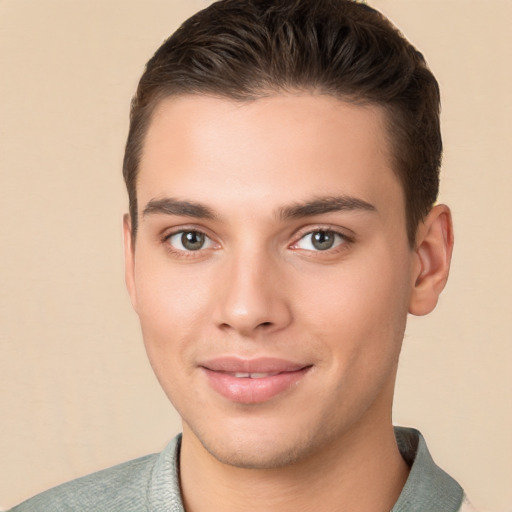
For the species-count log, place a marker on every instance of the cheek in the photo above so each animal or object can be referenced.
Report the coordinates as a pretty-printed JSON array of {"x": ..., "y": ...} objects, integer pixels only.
[
  {"x": 361, "y": 308},
  {"x": 172, "y": 304},
  {"x": 357, "y": 323},
  {"x": 170, "y": 309}
]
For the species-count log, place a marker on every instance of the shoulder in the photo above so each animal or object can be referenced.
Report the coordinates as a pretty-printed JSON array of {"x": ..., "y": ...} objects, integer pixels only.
[
  {"x": 147, "y": 483},
  {"x": 122, "y": 487},
  {"x": 467, "y": 506}
]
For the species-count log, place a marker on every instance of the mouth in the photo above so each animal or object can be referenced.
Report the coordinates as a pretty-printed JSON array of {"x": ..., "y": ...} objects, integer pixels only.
[
  {"x": 243, "y": 375},
  {"x": 253, "y": 381}
]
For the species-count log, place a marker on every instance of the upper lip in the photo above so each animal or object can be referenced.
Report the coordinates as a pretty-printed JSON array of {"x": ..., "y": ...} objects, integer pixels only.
[{"x": 233, "y": 364}]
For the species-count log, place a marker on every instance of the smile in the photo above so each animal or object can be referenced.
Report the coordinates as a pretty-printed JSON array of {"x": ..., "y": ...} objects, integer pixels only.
[{"x": 252, "y": 381}]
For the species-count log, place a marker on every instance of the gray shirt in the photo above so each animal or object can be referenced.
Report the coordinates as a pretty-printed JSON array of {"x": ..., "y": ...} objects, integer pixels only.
[{"x": 151, "y": 484}]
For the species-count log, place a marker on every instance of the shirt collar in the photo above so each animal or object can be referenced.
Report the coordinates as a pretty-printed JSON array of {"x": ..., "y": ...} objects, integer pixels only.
[{"x": 428, "y": 487}]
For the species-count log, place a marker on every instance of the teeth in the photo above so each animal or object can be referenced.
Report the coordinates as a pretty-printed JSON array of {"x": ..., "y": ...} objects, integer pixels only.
[{"x": 244, "y": 375}]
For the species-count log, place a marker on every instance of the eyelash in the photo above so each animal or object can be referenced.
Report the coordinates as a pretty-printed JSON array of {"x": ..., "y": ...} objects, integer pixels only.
[
  {"x": 181, "y": 252},
  {"x": 345, "y": 243}
]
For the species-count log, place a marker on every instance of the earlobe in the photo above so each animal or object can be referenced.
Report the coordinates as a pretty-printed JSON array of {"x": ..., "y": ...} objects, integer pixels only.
[
  {"x": 129, "y": 259},
  {"x": 433, "y": 255}
]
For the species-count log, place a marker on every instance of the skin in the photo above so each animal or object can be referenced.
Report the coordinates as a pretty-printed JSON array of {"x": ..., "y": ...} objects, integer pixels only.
[{"x": 259, "y": 287}]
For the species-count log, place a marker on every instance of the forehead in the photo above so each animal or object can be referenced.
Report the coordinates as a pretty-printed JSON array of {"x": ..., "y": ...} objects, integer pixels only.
[{"x": 281, "y": 148}]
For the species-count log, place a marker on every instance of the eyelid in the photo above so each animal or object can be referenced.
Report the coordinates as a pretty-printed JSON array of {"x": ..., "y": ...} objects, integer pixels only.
[
  {"x": 177, "y": 230},
  {"x": 348, "y": 239},
  {"x": 208, "y": 242}
]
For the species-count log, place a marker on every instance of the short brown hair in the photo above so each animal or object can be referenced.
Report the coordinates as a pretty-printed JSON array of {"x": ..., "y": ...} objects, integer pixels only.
[{"x": 245, "y": 49}]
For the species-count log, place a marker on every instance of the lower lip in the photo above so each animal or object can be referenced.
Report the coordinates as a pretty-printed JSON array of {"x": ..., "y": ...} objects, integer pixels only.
[{"x": 253, "y": 391}]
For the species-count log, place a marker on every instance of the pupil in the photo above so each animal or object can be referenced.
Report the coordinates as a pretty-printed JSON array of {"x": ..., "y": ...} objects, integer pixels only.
[
  {"x": 192, "y": 240},
  {"x": 323, "y": 240}
]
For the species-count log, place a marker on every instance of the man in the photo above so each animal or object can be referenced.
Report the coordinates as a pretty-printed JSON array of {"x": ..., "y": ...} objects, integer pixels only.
[{"x": 282, "y": 169}]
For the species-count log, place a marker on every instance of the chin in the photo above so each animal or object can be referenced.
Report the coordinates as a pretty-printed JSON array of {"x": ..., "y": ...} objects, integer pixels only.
[
  {"x": 270, "y": 449},
  {"x": 256, "y": 456}
]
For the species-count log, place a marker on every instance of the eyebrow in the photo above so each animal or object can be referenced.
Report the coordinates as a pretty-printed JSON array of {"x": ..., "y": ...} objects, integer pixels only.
[
  {"x": 323, "y": 205},
  {"x": 318, "y": 206},
  {"x": 171, "y": 206}
]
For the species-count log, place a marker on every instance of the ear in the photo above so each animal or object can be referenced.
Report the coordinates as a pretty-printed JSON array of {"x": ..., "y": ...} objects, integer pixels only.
[
  {"x": 129, "y": 259},
  {"x": 433, "y": 254}
]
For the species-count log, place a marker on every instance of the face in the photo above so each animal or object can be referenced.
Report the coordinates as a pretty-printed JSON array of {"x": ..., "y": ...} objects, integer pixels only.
[{"x": 271, "y": 272}]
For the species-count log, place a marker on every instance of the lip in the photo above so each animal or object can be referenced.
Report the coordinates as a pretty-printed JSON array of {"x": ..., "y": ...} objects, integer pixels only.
[{"x": 270, "y": 377}]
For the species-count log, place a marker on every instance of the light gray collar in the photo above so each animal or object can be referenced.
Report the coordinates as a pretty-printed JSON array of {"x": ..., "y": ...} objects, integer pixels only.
[{"x": 427, "y": 489}]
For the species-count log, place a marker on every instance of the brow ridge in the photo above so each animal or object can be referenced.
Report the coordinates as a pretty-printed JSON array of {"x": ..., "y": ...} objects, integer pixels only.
[
  {"x": 316, "y": 206},
  {"x": 172, "y": 206},
  {"x": 321, "y": 205}
]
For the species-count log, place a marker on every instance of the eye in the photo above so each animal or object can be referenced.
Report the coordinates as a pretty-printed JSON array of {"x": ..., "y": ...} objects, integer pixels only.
[
  {"x": 189, "y": 241},
  {"x": 320, "y": 240}
]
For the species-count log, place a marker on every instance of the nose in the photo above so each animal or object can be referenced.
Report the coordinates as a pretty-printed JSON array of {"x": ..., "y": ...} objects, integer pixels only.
[{"x": 251, "y": 298}]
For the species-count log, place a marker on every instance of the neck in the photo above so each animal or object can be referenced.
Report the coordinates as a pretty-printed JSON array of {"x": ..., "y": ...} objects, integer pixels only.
[{"x": 364, "y": 471}]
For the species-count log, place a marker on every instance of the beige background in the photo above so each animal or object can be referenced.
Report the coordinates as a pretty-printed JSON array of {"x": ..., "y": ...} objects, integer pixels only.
[{"x": 76, "y": 392}]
